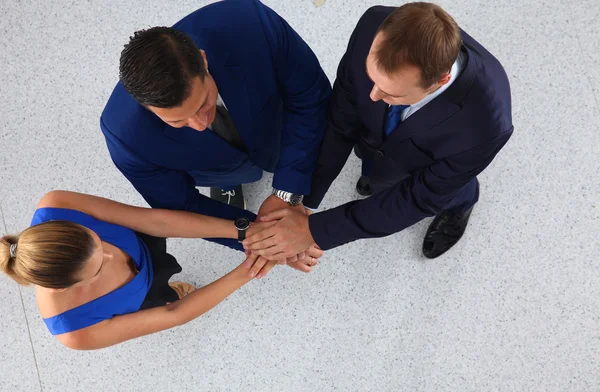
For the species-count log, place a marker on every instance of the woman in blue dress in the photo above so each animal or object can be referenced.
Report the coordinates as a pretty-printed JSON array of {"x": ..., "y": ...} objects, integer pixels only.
[{"x": 101, "y": 269}]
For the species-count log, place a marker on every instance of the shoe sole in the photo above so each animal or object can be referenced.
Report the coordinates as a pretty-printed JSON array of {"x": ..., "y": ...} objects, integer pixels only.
[{"x": 245, "y": 204}]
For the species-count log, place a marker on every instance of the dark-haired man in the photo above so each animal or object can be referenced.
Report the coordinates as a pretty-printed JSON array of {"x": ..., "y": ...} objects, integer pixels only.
[
  {"x": 228, "y": 92},
  {"x": 428, "y": 108}
]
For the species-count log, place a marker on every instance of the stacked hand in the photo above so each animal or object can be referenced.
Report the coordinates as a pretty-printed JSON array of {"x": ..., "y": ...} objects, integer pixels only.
[
  {"x": 282, "y": 236},
  {"x": 258, "y": 266}
]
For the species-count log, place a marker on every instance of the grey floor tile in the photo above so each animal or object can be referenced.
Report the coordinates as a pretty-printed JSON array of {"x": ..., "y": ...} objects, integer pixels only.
[
  {"x": 583, "y": 15},
  {"x": 513, "y": 307}
]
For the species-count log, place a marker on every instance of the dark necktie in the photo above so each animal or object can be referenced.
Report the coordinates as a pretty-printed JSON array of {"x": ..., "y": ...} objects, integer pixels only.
[
  {"x": 224, "y": 127},
  {"x": 393, "y": 118}
]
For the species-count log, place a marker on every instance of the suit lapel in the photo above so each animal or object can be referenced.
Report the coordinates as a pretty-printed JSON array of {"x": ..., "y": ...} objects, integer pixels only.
[
  {"x": 432, "y": 114},
  {"x": 229, "y": 77},
  {"x": 372, "y": 116}
]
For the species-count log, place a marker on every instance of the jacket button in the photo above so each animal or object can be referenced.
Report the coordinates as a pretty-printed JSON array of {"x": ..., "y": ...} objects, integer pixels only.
[{"x": 380, "y": 153}]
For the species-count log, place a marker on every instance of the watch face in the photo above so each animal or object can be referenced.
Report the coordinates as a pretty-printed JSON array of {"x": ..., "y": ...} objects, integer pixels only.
[
  {"x": 242, "y": 223},
  {"x": 295, "y": 200}
]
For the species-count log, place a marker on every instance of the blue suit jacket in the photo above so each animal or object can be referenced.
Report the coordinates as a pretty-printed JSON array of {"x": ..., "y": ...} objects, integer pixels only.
[
  {"x": 426, "y": 162},
  {"x": 274, "y": 89}
]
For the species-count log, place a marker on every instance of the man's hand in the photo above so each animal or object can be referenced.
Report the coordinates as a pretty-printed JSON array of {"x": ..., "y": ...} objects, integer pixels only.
[
  {"x": 273, "y": 203},
  {"x": 286, "y": 238},
  {"x": 311, "y": 259},
  {"x": 258, "y": 266},
  {"x": 257, "y": 227}
]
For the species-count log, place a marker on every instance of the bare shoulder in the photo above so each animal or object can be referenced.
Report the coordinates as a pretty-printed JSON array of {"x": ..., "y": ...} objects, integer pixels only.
[
  {"x": 82, "y": 339},
  {"x": 45, "y": 303},
  {"x": 56, "y": 199},
  {"x": 52, "y": 303},
  {"x": 120, "y": 329}
]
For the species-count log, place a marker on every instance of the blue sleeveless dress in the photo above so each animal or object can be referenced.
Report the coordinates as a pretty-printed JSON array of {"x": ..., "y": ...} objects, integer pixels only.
[{"x": 126, "y": 299}]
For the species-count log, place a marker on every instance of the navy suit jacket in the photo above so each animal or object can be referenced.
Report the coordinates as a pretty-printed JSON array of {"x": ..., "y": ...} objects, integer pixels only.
[
  {"x": 274, "y": 89},
  {"x": 425, "y": 163}
]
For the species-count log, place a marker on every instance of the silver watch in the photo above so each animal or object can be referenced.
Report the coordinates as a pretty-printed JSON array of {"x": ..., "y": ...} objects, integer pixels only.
[{"x": 292, "y": 199}]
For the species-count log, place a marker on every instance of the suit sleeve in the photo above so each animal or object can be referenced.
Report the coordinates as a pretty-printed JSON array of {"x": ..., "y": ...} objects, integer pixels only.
[
  {"x": 343, "y": 131},
  {"x": 425, "y": 193},
  {"x": 169, "y": 189},
  {"x": 305, "y": 91}
]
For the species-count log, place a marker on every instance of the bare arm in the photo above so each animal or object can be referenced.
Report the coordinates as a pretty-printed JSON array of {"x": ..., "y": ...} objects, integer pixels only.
[
  {"x": 144, "y": 322},
  {"x": 155, "y": 222}
]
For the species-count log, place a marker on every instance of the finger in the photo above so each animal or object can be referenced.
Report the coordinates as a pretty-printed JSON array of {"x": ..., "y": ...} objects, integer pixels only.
[
  {"x": 311, "y": 262},
  {"x": 282, "y": 261},
  {"x": 301, "y": 267},
  {"x": 265, "y": 270},
  {"x": 258, "y": 225},
  {"x": 249, "y": 262},
  {"x": 271, "y": 255},
  {"x": 301, "y": 256},
  {"x": 260, "y": 263},
  {"x": 261, "y": 235},
  {"x": 314, "y": 252},
  {"x": 263, "y": 244},
  {"x": 275, "y": 215},
  {"x": 292, "y": 259}
]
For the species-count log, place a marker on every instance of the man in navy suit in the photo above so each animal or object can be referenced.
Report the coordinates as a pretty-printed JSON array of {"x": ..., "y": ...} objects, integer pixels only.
[
  {"x": 228, "y": 92},
  {"x": 427, "y": 108}
]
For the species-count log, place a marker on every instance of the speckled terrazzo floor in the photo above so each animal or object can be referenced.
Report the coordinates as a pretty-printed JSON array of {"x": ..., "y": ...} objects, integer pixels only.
[{"x": 513, "y": 307}]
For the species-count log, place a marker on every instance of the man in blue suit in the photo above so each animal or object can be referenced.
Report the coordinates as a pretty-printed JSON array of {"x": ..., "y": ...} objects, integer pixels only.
[
  {"x": 428, "y": 108},
  {"x": 228, "y": 92}
]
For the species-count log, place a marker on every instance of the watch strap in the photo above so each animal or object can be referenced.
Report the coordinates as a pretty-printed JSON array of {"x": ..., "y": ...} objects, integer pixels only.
[{"x": 288, "y": 197}]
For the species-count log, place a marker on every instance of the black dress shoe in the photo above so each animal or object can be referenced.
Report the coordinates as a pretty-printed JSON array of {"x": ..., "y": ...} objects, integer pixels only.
[
  {"x": 234, "y": 197},
  {"x": 445, "y": 231},
  {"x": 363, "y": 186}
]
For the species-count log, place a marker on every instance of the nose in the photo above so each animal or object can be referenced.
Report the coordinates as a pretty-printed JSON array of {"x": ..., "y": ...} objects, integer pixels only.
[
  {"x": 198, "y": 122},
  {"x": 375, "y": 94}
]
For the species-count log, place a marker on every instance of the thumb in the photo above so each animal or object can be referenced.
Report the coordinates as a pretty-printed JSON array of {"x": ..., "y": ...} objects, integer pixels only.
[{"x": 275, "y": 215}]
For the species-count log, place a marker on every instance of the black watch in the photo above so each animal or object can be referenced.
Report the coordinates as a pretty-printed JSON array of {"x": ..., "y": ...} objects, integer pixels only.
[{"x": 242, "y": 224}]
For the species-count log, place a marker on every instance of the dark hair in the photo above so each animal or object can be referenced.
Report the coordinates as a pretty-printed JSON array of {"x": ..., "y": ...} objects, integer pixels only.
[
  {"x": 421, "y": 34},
  {"x": 157, "y": 67},
  {"x": 51, "y": 254}
]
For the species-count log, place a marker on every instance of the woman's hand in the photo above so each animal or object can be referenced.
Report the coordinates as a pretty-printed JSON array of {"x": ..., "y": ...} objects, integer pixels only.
[{"x": 257, "y": 265}]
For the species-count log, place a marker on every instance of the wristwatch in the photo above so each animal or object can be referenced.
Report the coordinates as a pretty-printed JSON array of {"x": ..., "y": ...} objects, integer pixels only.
[
  {"x": 242, "y": 224},
  {"x": 292, "y": 199}
]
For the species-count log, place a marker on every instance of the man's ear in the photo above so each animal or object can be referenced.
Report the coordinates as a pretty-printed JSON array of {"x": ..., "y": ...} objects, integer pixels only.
[
  {"x": 444, "y": 79},
  {"x": 203, "y": 53}
]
